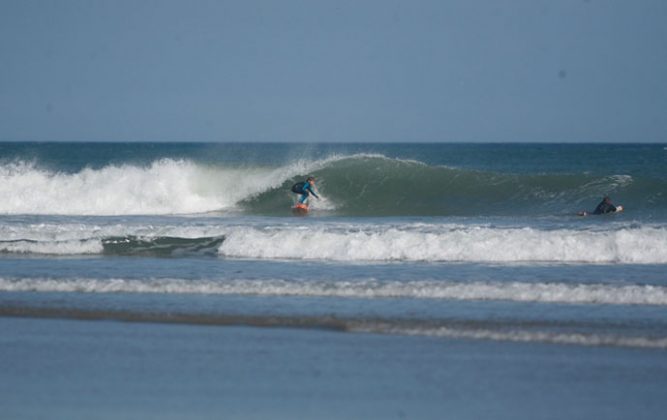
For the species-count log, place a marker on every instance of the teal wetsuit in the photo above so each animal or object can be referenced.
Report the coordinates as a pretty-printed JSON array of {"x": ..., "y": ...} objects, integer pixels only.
[{"x": 307, "y": 190}]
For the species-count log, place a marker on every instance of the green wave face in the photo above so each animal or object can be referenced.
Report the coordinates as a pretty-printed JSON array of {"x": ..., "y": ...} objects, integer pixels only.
[
  {"x": 161, "y": 246},
  {"x": 379, "y": 186}
]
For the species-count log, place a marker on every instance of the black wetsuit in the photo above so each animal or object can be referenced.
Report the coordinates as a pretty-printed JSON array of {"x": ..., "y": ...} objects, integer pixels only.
[{"x": 604, "y": 207}]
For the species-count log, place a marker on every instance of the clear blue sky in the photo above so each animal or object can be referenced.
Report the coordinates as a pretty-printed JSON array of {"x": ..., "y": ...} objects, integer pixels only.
[{"x": 308, "y": 70}]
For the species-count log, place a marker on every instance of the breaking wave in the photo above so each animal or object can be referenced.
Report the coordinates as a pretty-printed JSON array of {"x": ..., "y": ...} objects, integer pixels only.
[{"x": 359, "y": 184}]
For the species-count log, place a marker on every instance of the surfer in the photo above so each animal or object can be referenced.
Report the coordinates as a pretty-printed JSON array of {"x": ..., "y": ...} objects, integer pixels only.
[
  {"x": 305, "y": 189},
  {"x": 604, "y": 207}
]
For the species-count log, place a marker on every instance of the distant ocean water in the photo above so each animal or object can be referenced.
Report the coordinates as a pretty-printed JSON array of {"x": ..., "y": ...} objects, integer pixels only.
[{"x": 473, "y": 241}]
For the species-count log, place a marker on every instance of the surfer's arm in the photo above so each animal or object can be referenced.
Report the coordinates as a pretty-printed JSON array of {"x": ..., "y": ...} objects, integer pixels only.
[{"x": 309, "y": 190}]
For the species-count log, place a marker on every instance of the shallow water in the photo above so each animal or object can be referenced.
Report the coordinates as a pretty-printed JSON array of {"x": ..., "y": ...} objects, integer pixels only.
[{"x": 109, "y": 370}]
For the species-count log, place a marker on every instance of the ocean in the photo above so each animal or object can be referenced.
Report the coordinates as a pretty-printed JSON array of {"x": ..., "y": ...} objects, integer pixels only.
[{"x": 427, "y": 279}]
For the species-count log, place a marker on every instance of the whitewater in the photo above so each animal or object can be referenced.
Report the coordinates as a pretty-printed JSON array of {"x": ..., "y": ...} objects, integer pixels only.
[
  {"x": 342, "y": 241},
  {"x": 165, "y": 186}
]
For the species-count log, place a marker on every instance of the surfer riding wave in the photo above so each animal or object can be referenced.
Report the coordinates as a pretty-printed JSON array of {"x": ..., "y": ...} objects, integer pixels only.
[{"x": 306, "y": 189}]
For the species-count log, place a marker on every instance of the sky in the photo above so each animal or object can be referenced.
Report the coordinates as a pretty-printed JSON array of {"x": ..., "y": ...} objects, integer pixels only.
[{"x": 334, "y": 71}]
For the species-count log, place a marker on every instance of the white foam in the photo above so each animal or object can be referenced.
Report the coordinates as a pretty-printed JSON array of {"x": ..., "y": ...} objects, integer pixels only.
[
  {"x": 646, "y": 245},
  {"x": 523, "y": 336},
  {"x": 368, "y": 289},
  {"x": 74, "y": 247},
  {"x": 166, "y": 186},
  {"x": 354, "y": 242}
]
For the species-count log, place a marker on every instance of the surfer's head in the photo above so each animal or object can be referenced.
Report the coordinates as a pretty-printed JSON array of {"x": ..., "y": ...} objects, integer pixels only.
[{"x": 310, "y": 179}]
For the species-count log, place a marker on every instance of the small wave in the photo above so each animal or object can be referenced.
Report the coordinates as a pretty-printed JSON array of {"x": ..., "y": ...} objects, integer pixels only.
[
  {"x": 519, "y": 335},
  {"x": 122, "y": 245},
  {"x": 342, "y": 242},
  {"x": 161, "y": 246},
  {"x": 590, "y": 294},
  {"x": 459, "y": 244},
  {"x": 71, "y": 247}
]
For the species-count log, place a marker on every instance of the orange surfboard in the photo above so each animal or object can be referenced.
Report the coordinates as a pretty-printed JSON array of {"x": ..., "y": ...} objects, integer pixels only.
[{"x": 300, "y": 208}]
